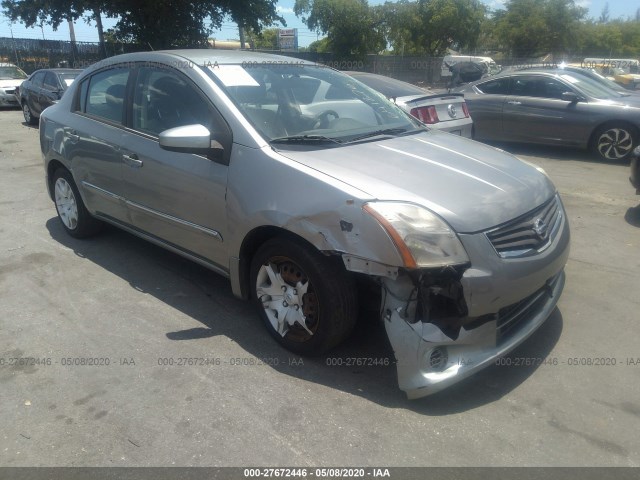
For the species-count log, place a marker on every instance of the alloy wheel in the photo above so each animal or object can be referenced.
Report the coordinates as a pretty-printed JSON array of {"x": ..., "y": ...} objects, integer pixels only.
[{"x": 614, "y": 144}]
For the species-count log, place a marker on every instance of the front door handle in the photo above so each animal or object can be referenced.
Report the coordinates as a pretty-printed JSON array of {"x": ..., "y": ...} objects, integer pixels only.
[
  {"x": 72, "y": 136},
  {"x": 514, "y": 102},
  {"x": 132, "y": 160}
]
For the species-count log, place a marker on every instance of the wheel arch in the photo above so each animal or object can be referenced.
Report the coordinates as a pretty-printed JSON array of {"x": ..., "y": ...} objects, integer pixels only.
[
  {"x": 52, "y": 166},
  {"x": 250, "y": 245}
]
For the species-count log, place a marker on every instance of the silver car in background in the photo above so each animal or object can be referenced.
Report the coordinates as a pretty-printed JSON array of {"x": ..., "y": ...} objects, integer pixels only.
[
  {"x": 555, "y": 107},
  {"x": 445, "y": 111},
  {"x": 295, "y": 181},
  {"x": 11, "y": 77}
]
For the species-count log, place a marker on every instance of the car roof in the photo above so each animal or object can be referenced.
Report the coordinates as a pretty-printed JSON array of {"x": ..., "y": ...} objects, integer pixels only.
[
  {"x": 205, "y": 56},
  {"x": 59, "y": 70}
]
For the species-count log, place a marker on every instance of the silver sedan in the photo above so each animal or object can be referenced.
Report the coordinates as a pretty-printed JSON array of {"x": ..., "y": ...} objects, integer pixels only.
[{"x": 296, "y": 181}]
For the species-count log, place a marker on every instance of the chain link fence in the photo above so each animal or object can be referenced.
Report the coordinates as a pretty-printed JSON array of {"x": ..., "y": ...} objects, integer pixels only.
[{"x": 32, "y": 54}]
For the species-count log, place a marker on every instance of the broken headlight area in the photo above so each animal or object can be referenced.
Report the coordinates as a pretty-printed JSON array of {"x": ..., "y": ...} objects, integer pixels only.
[{"x": 432, "y": 296}]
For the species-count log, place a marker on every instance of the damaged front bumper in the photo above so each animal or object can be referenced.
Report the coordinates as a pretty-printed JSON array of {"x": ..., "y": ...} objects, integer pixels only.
[{"x": 489, "y": 308}]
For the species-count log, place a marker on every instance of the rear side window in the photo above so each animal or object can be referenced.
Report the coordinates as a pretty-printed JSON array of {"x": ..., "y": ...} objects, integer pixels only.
[
  {"x": 499, "y": 86},
  {"x": 104, "y": 94}
]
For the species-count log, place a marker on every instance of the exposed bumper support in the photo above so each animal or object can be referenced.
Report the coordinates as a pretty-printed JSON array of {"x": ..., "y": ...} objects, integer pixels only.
[{"x": 417, "y": 344}]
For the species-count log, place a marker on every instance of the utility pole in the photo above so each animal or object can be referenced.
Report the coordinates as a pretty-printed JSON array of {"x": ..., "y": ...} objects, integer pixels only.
[
  {"x": 72, "y": 35},
  {"x": 13, "y": 40}
]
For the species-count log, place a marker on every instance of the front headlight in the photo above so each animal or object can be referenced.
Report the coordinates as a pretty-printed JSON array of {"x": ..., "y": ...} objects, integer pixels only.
[{"x": 423, "y": 239}]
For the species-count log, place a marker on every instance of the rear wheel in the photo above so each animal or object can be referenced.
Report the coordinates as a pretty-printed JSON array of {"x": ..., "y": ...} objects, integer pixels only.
[
  {"x": 75, "y": 217},
  {"x": 614, "y": 143},
  {"x": 28, "y": 116},
  {"x": 307, "y": 301}
]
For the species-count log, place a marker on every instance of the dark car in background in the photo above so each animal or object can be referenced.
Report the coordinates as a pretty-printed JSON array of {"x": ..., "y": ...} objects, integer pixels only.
[
  {"x": 42, "y": 89},
  {"x": 444, "y": 111},
  {"x": 554, "y": 107}
]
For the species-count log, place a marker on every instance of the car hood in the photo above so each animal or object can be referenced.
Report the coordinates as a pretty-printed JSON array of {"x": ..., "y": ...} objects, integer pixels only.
[
  {"x": 10, "y": 83},
  {"x": 472, "y": 186}
]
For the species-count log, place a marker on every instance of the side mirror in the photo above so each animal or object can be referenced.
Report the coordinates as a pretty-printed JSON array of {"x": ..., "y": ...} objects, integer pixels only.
[
  {"x": 186, "y": 138},
  {"x": 192, "y": 139},
  {"x": 570, "y": 97}
]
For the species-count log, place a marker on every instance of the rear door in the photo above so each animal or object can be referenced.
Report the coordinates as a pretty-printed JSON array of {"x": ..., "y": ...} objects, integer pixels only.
[
  {"x": 32, "y": 93},
  {"x": 93, "y": 138}
]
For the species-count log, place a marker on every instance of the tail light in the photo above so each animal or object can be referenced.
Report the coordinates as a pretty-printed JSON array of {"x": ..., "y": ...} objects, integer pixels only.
[
  {"x": 465, "y": 110},
  {"x": 426, "y": 115}
]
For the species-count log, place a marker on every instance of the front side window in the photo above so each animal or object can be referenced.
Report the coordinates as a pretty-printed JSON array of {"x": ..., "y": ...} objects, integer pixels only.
[
  {"x": 50, "y": 81},
  {"x": 498, "y": 86},
  {"x": 104, "y": 95},
  {"x": 163, "y": 99}
]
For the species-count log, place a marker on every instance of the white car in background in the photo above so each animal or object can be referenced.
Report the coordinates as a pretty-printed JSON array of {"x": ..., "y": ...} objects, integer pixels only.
[
  {"x": 10, "y": 79},
  {"x": 445, "y": 111}
]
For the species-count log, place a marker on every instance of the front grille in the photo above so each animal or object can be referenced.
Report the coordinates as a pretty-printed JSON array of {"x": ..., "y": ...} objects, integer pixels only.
[
  {"x": 512, "y": 316},
  {"x": 529, "y": 234}
]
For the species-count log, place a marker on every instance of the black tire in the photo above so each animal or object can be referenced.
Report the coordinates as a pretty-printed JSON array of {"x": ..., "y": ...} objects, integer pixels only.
[
  {"x": 29, "y": 118},
  {"x": 329, "y": 306},
  {"x": 78, "y": 224},
  {"x": 614, "y": 142}
]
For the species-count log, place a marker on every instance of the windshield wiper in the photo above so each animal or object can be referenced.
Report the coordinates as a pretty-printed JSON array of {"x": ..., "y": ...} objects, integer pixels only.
[
  {"x": 305, "y": 139},
  {"x": 386, "y": 131}
]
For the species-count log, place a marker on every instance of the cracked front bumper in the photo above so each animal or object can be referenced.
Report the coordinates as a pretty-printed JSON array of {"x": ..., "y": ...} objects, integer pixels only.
[{"x": 507, "y": 300}]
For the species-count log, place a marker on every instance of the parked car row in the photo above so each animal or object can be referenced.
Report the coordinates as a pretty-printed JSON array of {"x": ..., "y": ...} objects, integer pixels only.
[
  {"x": 42, "y": 89},
  {"x": 296, "y": 181}
]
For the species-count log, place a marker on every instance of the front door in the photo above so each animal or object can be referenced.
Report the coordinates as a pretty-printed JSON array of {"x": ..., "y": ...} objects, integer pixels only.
[{"x": 173, "y": 196}]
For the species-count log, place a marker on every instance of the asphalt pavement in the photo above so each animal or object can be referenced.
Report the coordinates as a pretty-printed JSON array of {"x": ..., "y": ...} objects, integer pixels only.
[{"x": 114, "y": 352}]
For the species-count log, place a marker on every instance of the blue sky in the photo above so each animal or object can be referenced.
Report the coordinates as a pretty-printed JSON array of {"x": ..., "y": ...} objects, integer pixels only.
[{"x": 87, "y": 32}]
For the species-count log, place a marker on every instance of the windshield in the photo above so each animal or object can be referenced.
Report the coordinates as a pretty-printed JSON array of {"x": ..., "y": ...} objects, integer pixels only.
[
  {"x": 310, "y": 102},
  {"x": 590, "y": 73},
  {"x": 389, "y": 87},
  {"x": 68, "y": 78},
  {"x": 591, "y": 87},
  {"x": 12, "y": 73}
]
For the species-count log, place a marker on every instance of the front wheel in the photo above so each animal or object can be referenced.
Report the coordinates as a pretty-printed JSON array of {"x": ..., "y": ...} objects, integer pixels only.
[
  {"x": 75, "y": 217},
  {"x": 307, "y": 301},
  {"x": 614, "y": 143}
]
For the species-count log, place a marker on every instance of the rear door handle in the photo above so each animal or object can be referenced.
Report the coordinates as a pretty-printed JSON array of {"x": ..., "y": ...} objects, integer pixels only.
[
  {"x": 514, "y": 102},
  {"x": 132, "y": 160}
]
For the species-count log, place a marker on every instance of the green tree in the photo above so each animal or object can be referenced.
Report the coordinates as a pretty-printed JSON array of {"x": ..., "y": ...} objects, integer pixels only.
[
  {"x": 432, "y": 26},
  {"x": 55, "y": 12},
  {"x": 155, "y": 23},
  {"x": 350, "y": 25},
  {"x": 267, "y": 39},
  {"x": 530, "y": 28}
]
